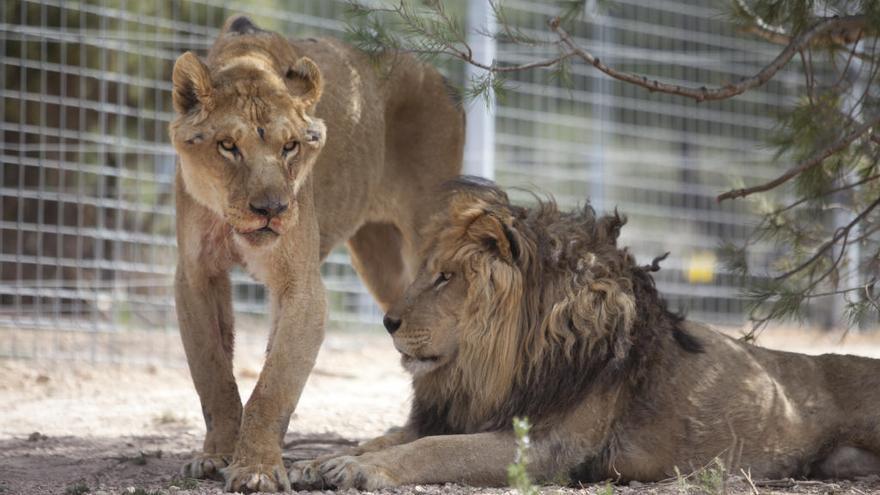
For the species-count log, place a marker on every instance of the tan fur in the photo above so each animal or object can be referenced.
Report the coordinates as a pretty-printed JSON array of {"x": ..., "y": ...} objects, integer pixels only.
[
  {"x": 367, "y": 147},
  {"x": 538, "y": 313}
]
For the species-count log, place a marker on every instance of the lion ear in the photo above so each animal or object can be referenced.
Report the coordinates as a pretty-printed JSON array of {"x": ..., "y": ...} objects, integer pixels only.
[
  {"x": 192, "y": 83},
  {"x": 497, "y": 237},
  {"x": 304, "y": 81}
]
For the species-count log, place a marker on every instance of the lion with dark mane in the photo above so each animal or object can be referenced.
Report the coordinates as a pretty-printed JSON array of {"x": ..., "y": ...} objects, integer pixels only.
[{"x": 538, "y": 313}]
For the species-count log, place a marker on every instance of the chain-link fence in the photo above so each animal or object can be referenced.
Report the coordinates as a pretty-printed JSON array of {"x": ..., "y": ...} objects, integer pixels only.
[
  {"x": 660, "y": 159},
  {"x": 87, "y": 247}
]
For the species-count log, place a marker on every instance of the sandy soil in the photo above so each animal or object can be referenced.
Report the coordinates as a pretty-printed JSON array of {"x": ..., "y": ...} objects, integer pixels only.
[{"x": 118, "y": 429}]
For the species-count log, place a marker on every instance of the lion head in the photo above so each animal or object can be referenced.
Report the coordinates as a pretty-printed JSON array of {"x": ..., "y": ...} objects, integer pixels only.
[
  {"x": 245, "y": 128},
  {"x": 518, "y": 311}
]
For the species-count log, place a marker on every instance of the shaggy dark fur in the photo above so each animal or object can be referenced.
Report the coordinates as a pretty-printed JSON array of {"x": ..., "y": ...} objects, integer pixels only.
[
  {"x": 243, "y": 25},
  {"x": 553, "y": 244}
]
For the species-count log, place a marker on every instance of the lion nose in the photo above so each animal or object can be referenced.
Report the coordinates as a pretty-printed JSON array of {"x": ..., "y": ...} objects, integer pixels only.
[
  {"x": 391, "y": 324},
  {"x": 268, "y": 207}
]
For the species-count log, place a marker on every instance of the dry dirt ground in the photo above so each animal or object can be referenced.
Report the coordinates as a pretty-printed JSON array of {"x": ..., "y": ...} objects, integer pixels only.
[{"x": 69, "y": 427}]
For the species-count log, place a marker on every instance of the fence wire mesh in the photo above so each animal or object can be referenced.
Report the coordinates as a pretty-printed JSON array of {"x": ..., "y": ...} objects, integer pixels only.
[
  {"x": 87, "y": 248},
  {"x": 659, "y": 159}
]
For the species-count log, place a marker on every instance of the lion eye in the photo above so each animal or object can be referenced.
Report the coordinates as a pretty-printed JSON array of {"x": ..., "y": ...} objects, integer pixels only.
[
  {"x": 229, "y": 145},
  {"x": 442, "y": 278},
  {"x": 291, "y": 147}
]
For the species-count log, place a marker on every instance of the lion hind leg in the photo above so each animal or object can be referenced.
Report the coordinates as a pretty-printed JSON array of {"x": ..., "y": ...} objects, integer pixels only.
[{"x": 377, "y": 253}]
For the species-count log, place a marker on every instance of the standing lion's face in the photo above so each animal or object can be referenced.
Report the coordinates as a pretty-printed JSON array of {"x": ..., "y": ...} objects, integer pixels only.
[
  {"x": 425, "y": 323},
  {"x": 247, "y": 138}
]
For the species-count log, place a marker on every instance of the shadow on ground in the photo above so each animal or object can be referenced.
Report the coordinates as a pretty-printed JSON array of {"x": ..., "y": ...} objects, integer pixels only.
[
  {"x": 52, "y": 465},
  {"x": 148, "y": 465}
]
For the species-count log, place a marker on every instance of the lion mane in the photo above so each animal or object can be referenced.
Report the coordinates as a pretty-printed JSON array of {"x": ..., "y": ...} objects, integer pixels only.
[{"x": 555, "y": 311}]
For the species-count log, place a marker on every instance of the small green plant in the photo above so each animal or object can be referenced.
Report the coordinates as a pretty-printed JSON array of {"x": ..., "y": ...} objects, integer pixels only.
[
  {"x": 517, "y": 473},
  {"x": 79, "y": 488},
  {"x": 712, "y": 478},
  {"x": 185, "y": 483},
  {"x": 681, "y": 481},
  {"x": 606, "y": 490}
]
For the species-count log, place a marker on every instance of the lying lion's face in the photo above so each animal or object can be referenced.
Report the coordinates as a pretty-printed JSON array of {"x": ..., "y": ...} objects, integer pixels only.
[
  {"x": 464, "y": 299},
  {"x": 427, "y": 318},
  {"x": 246, "y": 135}
]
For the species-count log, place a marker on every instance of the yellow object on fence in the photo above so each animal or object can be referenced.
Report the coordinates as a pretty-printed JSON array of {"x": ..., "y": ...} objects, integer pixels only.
[{"x": 701, "y": 267}]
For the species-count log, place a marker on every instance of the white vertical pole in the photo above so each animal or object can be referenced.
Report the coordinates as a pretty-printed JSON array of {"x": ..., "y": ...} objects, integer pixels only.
[
  {"x": 479, "y": 148},
  {"x": 851, "y": 275},
  {"x": 603, "y": 35}
]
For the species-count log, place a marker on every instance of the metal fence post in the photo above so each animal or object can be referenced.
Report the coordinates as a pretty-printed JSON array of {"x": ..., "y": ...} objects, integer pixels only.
[{"x": 479, "y": 149}]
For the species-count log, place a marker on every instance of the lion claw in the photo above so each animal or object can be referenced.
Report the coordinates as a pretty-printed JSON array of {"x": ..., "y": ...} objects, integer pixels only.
[
  {"x": 259, "y": 478},
  {"x": 355, "y": 472},
  {"x": 205, "y": 466}
]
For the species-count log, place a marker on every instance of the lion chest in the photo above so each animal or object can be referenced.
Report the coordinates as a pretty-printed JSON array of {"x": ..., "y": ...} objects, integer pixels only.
[
  {"x": 257, "y": 261},
  {"x": 214, "y": 247}
]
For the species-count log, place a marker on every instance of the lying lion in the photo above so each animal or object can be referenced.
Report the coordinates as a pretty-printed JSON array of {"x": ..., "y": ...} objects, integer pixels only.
[
  {"x": 287, "y": 149},
  {"x": 538, "y": 313}
]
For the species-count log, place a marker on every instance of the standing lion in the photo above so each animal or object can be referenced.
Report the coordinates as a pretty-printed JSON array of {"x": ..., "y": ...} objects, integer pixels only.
[
  {"x": 288, "y": 148},
  {"x": 538, "y": 313}
]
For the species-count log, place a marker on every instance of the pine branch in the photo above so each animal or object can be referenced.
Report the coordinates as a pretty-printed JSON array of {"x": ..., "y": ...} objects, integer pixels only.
[
  {"x": 848, "y": 64},
  {"x": 869, "y": 288},
  {"x": 840, "y": 234},
  {"x": 867, "y": 234},
  {"x": 507, "y": 32},
  {"x": 836, "y": 134},
  {"x": 761, "y": 28},
  {"x": 514, "y": 68},
  {"x": 837, "y": 292},
  {"x": 445, "y": 36},
  {"x": 569, "y": 48},
  {"x": 842, "y": 188},
  {"x": 811, "y": 162},
  {"x": 834, "y": 263},
  {"x": 729, "y": 90},
  {"x": 779, "y": 36},
  {"x": 810, "y": 78}
]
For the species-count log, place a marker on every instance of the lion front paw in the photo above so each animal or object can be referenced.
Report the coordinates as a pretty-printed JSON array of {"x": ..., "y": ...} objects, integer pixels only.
[
  {"x": 206, "y": 466},
  {"x": 356, "y": 472},
  {"x": 256, "y": 478}
]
